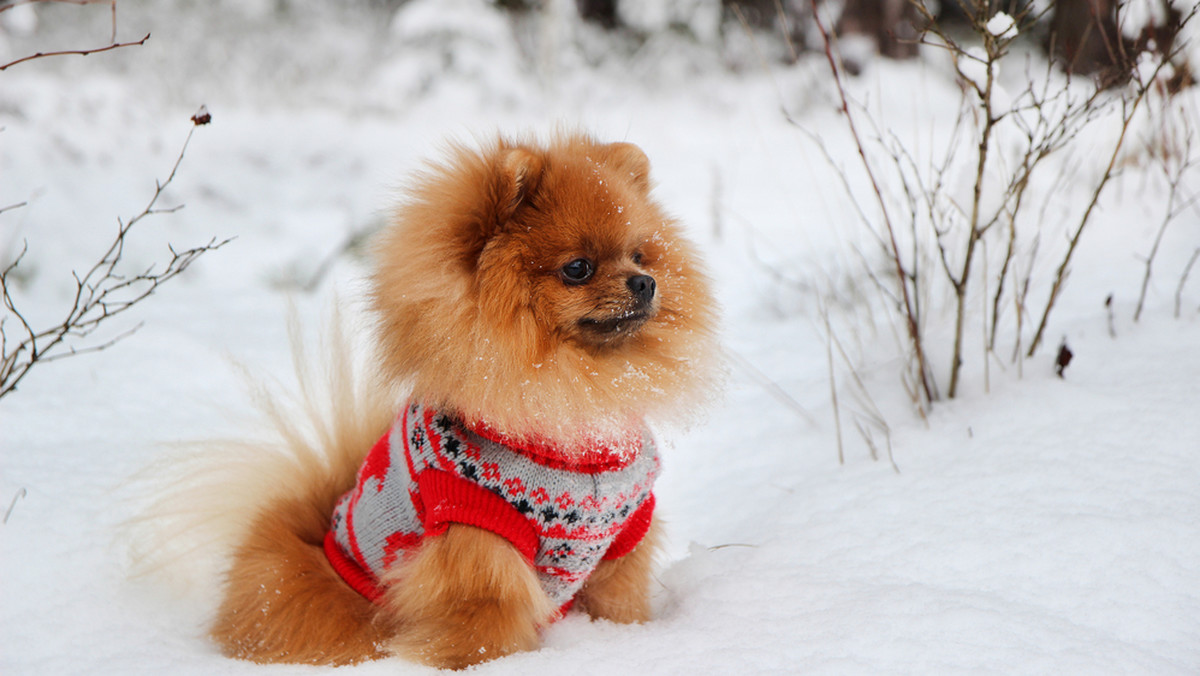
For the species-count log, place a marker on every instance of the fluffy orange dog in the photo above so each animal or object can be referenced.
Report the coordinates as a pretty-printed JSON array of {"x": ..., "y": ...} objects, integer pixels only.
[{"x": 538, "y": 309}]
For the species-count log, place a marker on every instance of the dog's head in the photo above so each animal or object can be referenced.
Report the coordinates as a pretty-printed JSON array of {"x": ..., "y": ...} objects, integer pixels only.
[{"x": 535, "y": 285}]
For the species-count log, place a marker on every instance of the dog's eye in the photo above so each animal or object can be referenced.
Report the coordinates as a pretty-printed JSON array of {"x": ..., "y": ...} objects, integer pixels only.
[
  {"x": 637, "y": 258},
  {"x": 577, "y": 271}
]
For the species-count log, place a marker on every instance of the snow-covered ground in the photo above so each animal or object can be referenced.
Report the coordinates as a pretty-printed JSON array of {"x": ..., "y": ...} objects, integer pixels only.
[{"x": 1034, "y": 525}]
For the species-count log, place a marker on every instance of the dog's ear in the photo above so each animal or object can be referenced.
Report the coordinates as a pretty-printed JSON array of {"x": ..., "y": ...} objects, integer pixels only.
[
  {"x": 518, "y": 174},
  {"x": 630, "y": 161}
]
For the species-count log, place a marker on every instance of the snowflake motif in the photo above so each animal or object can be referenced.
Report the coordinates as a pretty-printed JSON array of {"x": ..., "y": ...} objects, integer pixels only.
[
  {"x": 416, "y": 440},
  {"x": 515, "y": 486},
  {"x": 559, "y": 552},
  {"x": 491, "y": 471}
]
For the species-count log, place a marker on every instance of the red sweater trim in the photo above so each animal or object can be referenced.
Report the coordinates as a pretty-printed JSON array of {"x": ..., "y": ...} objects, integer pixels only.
[
  {"x": 351, "y": 572},
  {"x": 449, "y": 498},
  {"x": 600, "y": 457},
  {"x": 635, "y": 530}
]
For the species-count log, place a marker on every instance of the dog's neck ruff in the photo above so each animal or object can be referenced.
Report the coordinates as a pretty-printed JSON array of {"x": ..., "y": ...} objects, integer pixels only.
[{"x": 564, "y": 512}]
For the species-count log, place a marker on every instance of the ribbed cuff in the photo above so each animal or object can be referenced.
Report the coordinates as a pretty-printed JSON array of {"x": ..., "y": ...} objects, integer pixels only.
[
  {"x": 635, "y": 529},
  {"x": 355, "y": 576},
  {"x": 449, "y": 498}
]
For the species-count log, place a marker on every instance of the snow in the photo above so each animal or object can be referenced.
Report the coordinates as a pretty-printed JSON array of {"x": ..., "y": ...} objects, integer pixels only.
[
  {"x": 973, "y": 64},
  {"x": 1002, "y": 26},
  {"x": 21, "y": 19},
  {"x": 1139, "y": 15},
  {"x": 701, "y": 17},
  {"x": 1034, "y": 525}
]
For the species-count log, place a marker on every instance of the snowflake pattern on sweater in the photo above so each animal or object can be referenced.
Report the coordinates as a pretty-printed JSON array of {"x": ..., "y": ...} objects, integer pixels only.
[{"x": 430, "y": 471}]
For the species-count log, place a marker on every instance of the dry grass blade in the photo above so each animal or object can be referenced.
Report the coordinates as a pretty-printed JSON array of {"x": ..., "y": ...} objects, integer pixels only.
[{"x": 911, "y": 323}]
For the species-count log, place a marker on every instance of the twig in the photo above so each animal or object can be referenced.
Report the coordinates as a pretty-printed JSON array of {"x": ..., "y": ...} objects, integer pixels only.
[
  {"x": 1183, "y": 278},
  {"x": 79, "y": 52},
  {"x": 714, "y": 204},
  {"x": 784, "y": 28},
  {"x": 1112, "y": 320},
  {"x": 837, "y": 417},
  {"x": 13, "y": 505},
  {"x": 1162, "y": 229},
  {"x": 1174, "y": 180},
  {"x": 10, "y": 207}
]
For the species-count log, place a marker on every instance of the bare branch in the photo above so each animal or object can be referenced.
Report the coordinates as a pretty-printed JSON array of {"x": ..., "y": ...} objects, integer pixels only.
[
  {"x": 100, "y": 294},
  {"x": 1174, "y": 178},
  {"x": 79, "y": 52},
  {"x": 1060, "y": 276},
  {"x": 1130, "y": 108}
]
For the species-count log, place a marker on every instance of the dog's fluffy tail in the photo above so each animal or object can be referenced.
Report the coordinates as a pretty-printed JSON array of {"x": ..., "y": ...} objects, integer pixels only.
[{"x": 244, "y": 520}]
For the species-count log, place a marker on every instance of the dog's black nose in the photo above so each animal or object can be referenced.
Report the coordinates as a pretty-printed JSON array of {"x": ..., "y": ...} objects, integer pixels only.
[{"x": 642, "y": 287}]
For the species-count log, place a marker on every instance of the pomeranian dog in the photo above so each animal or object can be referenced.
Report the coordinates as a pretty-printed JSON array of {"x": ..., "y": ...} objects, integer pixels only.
[{"x": 537, "y": 311}]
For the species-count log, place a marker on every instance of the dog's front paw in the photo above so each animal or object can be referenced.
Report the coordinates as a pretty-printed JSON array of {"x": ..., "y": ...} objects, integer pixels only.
[
  {"x": 467, "y": 596},
  {"x": 612, "y": 595},
  {"x": 619, "y": 589}
]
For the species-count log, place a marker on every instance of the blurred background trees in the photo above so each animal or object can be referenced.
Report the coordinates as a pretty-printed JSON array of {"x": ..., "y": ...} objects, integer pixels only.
[
  {"x": 1095, "y": 38},
  {"x": 1099, "y": 37}
]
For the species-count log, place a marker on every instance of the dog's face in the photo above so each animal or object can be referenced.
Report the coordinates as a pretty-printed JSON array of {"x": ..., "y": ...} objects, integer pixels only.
[
  {"x": 588, "y": 244},
  {"x": 541, "y": 288},
  {"x": 593, "y": 299}
]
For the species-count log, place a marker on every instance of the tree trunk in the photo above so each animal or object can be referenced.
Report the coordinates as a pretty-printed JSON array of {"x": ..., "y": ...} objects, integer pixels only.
[
  {"x": 891, "y": 23},
  {"x": 1084, "y": 36}
]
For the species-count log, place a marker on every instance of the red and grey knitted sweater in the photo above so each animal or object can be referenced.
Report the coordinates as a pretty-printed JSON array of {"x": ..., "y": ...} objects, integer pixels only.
[{"x": 430, "y": 471}]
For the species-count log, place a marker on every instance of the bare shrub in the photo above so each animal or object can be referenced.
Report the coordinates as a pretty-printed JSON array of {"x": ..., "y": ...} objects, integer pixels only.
[
  {"x": 106, "y": 289},
  {"x": 103, "y": 292},
  {"x": 934, "y": 241}
]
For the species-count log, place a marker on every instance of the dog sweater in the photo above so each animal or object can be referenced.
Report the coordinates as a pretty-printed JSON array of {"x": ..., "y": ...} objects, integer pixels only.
[{"x": 429, "y": 471}]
